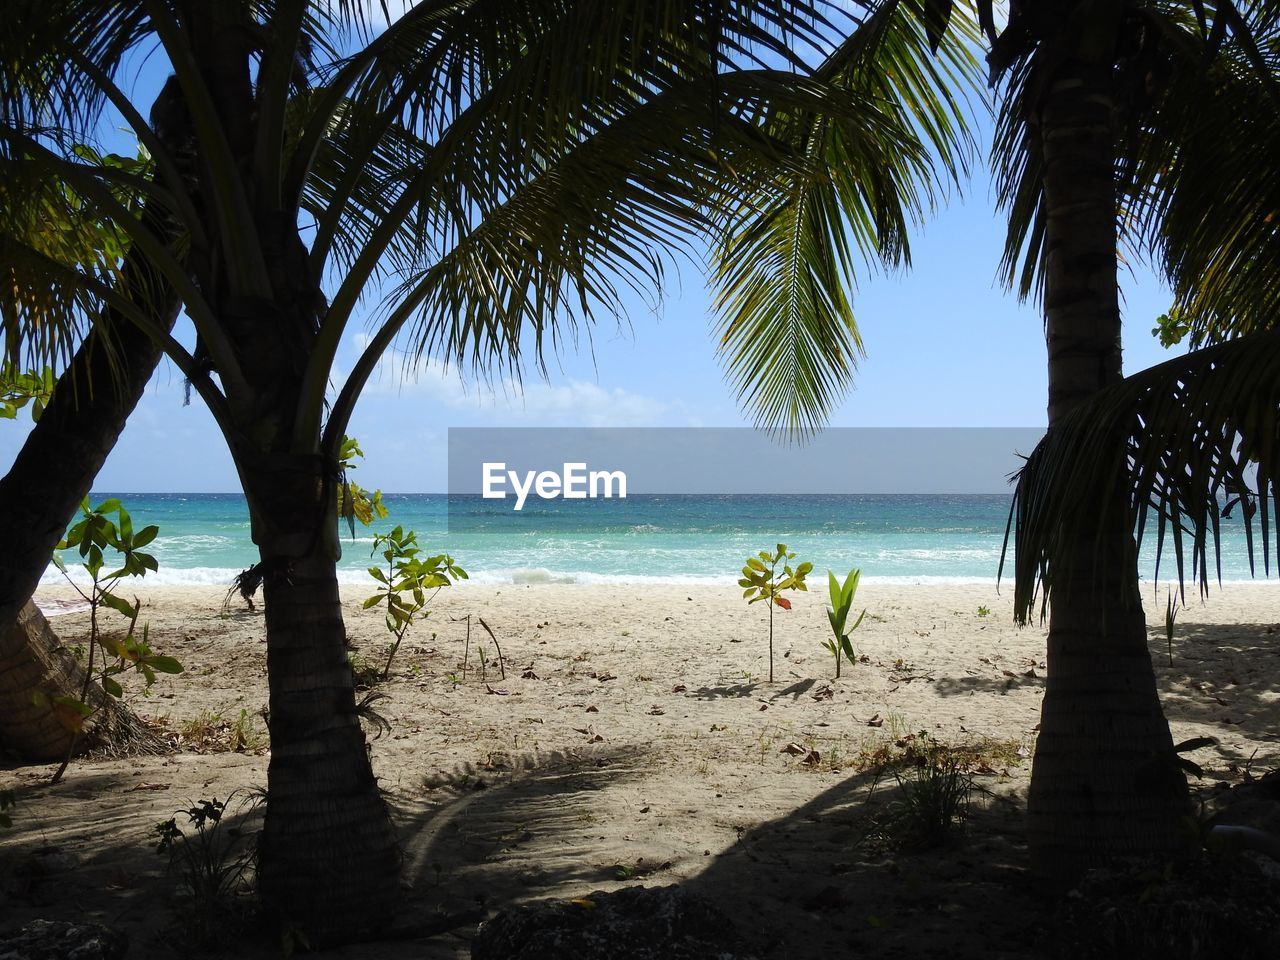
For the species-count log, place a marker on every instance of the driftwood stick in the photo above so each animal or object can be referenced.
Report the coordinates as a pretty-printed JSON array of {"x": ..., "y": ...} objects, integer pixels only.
[{"x": 501, "y": 666}]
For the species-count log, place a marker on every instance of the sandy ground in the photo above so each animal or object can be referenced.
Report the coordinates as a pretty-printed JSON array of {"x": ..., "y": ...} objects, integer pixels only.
[{"x": 635, "y": 738}]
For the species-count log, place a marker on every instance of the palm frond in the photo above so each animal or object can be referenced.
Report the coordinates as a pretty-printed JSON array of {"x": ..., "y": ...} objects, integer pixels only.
[
  {"x": 55, "y": 250},
  {"x": 1178, "y": 447},
  {"x": 789, "y": 246},
  {"x": 1211, "y": 216},
  {"x": 1018, "y": 164},
  {"x": 493, "y": 93},
  {"x": 42, "y": 91},
  {"x": 602, "y": 219},
  {"x": 1182, "y": 90},
  {"x": 638, "y": 154},
  {"x": 466, "y": 107}
]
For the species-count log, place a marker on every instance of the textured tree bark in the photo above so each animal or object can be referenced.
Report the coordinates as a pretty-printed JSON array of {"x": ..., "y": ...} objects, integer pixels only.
[
  {"x": 33, "y": 658},
  {"x": 51, "y": 474},
  {"x": 1103, "y": 784},
  {"x": 329, "y": 863},
  {"x": 65, "y": 450},
  {"x": 54, "y": 471}
]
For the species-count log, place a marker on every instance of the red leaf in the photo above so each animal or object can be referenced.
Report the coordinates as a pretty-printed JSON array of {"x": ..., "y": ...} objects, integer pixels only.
[{"x": 783, "y": 602}]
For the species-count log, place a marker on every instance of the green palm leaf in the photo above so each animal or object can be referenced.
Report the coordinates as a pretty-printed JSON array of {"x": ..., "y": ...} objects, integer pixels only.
[
  {"x": 1179, "y": 446},
  {"x": 787, "y": 251}
]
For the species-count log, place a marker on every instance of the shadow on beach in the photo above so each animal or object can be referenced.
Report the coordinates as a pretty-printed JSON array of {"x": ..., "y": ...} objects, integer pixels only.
[
  {"x": 1223, "y": 676},
  {"x": 805, "y": 885}
]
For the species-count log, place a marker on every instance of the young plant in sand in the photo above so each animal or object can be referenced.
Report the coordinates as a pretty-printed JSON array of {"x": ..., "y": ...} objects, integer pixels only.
[
  {"x": 838, "y": 614},
  {"x": 466, "y": 650},
  {"x": 406, "y": 580},
  {"x": 760, "y": 581},
  {"x": 107, "y": 655},
  {"x": 211, "y": 860},
  {"x": 934, "y": 804},
  {"x": 1170, "y": 621}
]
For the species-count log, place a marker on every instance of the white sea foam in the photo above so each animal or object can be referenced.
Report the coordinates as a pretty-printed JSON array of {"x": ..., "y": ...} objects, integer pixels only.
[
  {"x": 166, "y": 577},
  {"x": 532, "y": 575},
  {"x": 194, "y": 540},
  {"x": 223, "y": 576}
]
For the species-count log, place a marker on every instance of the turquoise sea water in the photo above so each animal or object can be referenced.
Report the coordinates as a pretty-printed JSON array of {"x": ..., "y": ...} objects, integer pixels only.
[{"x": 204, "y": 538}]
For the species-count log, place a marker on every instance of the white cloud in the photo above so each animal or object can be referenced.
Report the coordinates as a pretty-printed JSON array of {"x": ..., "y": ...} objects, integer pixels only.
[{"x": 572, "y": 402}]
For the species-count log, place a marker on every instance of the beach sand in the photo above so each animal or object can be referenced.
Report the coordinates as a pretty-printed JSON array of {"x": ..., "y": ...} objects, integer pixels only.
[{"x": 635, "y": 739}]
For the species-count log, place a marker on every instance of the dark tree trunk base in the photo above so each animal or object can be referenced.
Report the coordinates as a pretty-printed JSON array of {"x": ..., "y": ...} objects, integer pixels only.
[
  {"x": 328, "y": 858},
  {"x": 1104, "y": 784},
  {"x": 32, "y": 658}
]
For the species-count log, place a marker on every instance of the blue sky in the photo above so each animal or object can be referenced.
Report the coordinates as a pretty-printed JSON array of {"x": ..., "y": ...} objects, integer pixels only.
[{"x": 946, "y": 345}]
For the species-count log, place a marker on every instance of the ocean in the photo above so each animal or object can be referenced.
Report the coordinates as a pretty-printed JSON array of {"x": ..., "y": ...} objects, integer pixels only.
[{"x": 644, "y": 539}]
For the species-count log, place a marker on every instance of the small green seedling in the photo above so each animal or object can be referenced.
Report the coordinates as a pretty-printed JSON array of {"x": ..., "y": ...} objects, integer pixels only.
[
  {"x": 760, "y": 581},
  {"x": 842, "y": 595},
  {"x": 984, "y": 611},
  {"x": 1170, "y": 620},
  {"x": 406, "y": 580},
  {"x": 106, "y": 656}
]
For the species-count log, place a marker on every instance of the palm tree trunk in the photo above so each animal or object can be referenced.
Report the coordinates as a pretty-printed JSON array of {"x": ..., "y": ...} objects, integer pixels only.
[
  {"x": 329, "y": 864},
  {"x": 50, "y": 476},
  {"x": 33, "y": 658},
  {"x": 65, "y": 450},
  {"x": 1101, "y": 783},
  {"x": 53, "y": 473}
]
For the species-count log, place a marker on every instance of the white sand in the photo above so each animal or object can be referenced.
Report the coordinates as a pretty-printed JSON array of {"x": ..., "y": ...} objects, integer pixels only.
[{"x": 634, "y": 735}]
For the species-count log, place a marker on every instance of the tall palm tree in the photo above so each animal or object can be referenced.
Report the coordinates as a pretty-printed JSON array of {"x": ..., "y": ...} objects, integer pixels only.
[
  {"x": 503, "y": 172},
  {"x": 1098, "y": 111},
  {"x": 46, "y": 239}
]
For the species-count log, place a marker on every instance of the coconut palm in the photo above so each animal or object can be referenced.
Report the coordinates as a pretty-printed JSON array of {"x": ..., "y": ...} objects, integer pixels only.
[
  {"x": 47, "y": 238},
  {"x": 1104, "y": 121},
  {"x": 499, "y": 173}
]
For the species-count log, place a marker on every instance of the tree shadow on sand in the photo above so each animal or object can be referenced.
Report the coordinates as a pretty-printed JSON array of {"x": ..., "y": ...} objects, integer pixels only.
[
  {"x": 85, "y": 850},
  {"x": 1225, "y": 676},
  {"x": 806, "y": 885},
  {"x": 812, "y": 884}
]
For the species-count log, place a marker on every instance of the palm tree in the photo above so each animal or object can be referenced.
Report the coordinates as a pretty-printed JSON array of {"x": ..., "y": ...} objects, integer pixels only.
[
  {"x": 47, "y": 238},
  {"x": 502, "y": 172},
  {"x": 1099, "y": 109}
]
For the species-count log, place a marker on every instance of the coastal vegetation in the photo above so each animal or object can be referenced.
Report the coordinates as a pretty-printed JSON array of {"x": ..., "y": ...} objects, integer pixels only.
[
  {"x": 409, "y": 582},
  {"x": 437, "y": 152},
  {"x": 762, "y": 581},
  {"x": 50, "y": 235},
  {"x": 1099, "y": 148},
  {"x": 494, "y": 176},
  {"x": 842, "y": 594},
  {"x": 112, "y": 554},
  {"x": 211, "y": 861}
]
